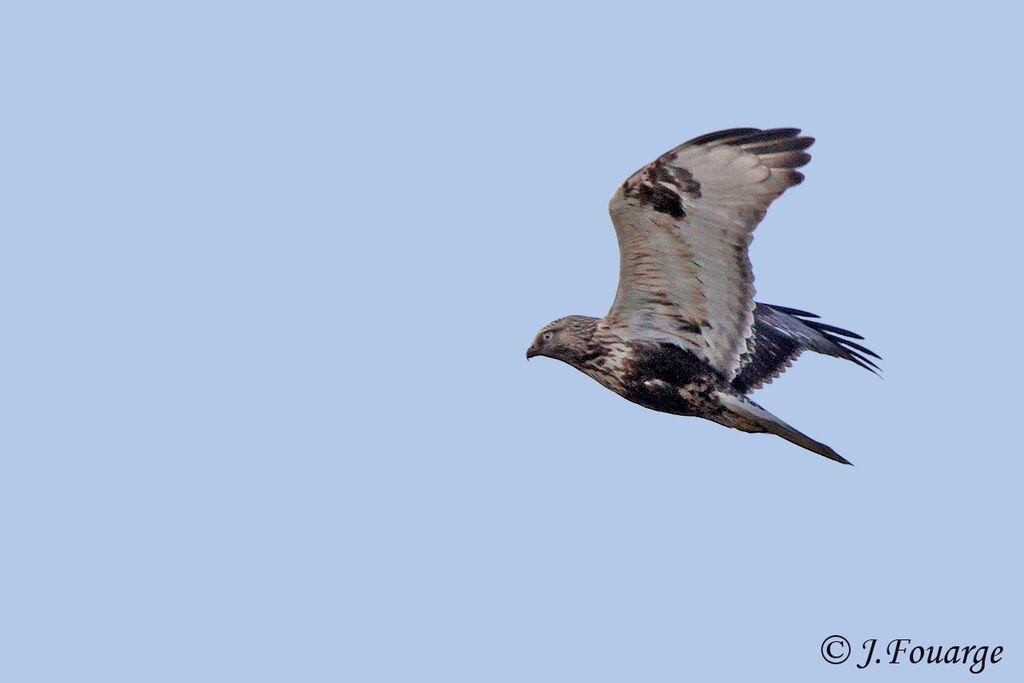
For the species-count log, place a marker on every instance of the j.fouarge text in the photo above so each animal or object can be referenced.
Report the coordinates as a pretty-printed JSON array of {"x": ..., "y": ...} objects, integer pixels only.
[{"x": 901, "y": 650}]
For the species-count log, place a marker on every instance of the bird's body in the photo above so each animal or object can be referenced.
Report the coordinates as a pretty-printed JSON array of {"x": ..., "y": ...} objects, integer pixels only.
[{"x": 684, "y": 335}]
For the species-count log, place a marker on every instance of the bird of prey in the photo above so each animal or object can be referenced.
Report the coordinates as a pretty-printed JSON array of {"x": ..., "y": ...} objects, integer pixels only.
[{"x": 684, "y": 334}]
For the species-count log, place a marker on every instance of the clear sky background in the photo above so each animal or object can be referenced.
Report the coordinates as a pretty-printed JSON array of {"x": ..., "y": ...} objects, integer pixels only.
[{"x": 269, "y": 272}]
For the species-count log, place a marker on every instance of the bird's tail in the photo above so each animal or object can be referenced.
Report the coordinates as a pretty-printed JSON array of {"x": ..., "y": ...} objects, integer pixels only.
[{"x": 743, "y": 414}]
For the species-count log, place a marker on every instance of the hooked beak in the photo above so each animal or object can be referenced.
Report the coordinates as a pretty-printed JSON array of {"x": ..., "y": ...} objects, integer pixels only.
[{"x": 531, "y": 352}]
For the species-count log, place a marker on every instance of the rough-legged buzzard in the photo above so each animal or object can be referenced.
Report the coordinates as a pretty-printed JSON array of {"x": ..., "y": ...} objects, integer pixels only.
[{"x": 684, "y": 335}]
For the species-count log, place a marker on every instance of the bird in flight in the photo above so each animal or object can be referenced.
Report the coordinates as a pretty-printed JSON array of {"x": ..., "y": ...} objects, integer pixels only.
[{"x": 684, "y": 334}]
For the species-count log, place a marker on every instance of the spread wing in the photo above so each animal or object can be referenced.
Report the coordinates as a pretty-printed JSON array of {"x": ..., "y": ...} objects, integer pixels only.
[
  {"x": 684, "y": 223},
  {"x": 781, "y": 334}
]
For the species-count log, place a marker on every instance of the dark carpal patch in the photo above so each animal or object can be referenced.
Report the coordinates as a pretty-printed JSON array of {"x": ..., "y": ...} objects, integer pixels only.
[
  {"x": 662, "y": 187},
  {"x": 675, "y": 175},
  {"x": 658, "y": 197}
]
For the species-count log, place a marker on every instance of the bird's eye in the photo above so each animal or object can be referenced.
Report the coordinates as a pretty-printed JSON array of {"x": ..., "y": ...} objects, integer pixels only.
[{"x": 548, "y": 335}]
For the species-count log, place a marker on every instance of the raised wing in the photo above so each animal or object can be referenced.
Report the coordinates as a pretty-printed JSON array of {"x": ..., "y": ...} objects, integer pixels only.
[
  {"x": 781, "y": 334},
  {"x": 684, "y": 223}
]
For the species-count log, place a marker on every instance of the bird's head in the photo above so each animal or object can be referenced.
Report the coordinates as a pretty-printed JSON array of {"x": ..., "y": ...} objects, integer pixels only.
[{"x": 566, "y": 339}]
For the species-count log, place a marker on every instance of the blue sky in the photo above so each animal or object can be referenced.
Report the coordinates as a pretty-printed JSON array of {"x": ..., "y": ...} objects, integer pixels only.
[{"x": 271, "y": 271}]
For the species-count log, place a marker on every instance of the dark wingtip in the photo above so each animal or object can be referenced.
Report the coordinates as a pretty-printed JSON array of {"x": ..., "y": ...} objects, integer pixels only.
[
  {"x": 823, "y": 327},
  {"x": 863, "y": 349},
  {"x": 773, "y": 139},
  {"x": 860, "y": 360},
  {"x": 857, "y": 353},
  {"x": 793, "y": 311},
  {"x": 770, "y": 135},
  {"x": 721, "y": 135}
]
